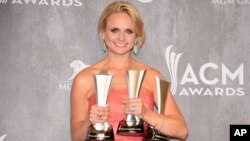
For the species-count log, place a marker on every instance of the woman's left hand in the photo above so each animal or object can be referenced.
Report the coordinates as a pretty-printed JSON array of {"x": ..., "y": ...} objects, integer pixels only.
[{"x": 135, "y": 106}]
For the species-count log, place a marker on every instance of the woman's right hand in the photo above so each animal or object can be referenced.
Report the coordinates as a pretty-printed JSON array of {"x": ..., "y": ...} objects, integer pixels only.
[{"x": 99, "y": 114}]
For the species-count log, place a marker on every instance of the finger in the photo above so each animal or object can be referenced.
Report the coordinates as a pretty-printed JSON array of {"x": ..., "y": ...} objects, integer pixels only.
[
  {"x": 134, "y": 100},
  {"x": 97, "y": 119},
  {"x": 104, "y": 113},
  {"x": 108, "y": 107},
  {"x": 93, "y": 108},
  {"x": 137, "y": 109},
  {"x": 105, "y": 118},
  {"x": 104, "y": 109},
  {"x": 92, "y": 119},
  {"x": 134, "y": 103},
  {"x": 131, "y": 109}
]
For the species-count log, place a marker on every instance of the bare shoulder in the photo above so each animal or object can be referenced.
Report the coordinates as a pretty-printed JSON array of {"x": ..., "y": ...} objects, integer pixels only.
[
  {"x": 84, "y": 82},
  {"x": 86, "y": 75},
  {"x": 151, "y": 75},
  {"x": 83, "y": 76},
  {"x": 150, "y": 71}
]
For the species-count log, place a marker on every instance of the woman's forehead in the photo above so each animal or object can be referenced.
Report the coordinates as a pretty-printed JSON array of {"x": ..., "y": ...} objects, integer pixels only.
[{"x": 120, "y": 20}]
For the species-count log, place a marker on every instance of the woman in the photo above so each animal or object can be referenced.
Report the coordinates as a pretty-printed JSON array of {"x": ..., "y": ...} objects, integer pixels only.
[{"x": 121, "y": 33}]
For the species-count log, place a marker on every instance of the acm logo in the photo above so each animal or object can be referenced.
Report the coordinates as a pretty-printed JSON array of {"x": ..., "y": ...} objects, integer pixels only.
[
  {"x": 202, "y": 85},
  {"x": 76, "y": 66}
]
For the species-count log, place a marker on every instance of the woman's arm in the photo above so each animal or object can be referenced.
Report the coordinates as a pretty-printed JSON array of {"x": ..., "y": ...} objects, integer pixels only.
[
  {"x": 171, "y": 122},
  {"x": 79, "y": 108}
]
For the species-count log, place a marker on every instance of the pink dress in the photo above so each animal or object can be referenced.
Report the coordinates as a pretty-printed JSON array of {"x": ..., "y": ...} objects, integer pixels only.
[{"x": 115, "y": 99}]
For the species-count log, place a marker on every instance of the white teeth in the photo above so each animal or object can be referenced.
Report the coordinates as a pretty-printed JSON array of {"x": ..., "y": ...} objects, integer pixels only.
[{"x": 120, "y": 44}]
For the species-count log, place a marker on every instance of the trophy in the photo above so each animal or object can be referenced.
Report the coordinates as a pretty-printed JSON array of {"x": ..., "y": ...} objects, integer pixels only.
[
  {"x": 132, "y": 125},
  {"x": 162, "y": 91},
  {"x": 101, "y": 131}
]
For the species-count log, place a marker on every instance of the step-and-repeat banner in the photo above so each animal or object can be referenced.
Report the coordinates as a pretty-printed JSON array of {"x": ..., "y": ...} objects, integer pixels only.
[{"x": 201, "y": 46}]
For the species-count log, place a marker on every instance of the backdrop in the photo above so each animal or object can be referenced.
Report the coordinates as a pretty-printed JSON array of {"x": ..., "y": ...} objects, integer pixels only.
[{"x": 201, "y": 46}]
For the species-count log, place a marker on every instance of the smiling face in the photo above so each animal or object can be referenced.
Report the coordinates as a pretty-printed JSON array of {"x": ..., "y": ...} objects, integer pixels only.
[{"x": 119, "y": 34}]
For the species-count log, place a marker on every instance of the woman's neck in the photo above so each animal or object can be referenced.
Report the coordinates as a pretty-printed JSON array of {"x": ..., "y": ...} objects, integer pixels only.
[{"x": 119, "y": 63}]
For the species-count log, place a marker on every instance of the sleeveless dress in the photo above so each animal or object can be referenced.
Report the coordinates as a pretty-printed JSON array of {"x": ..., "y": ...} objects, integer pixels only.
[{"x": 115, "y": 99}]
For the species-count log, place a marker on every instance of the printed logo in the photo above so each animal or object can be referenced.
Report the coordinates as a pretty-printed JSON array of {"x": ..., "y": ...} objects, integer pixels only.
[
  {"x": 230, "y": 2},
  {"x": 172, "y": 60},
  {"x": 145, "y": 1},
  {"x": 201, "y": 83},
  {"x": 65, "y": 3},
  {"x": 76, "y": 66},
  {"x": 4, "y": 2},
  {"x": 2, "y": 137},
  {"x": 239, "y": 132}
]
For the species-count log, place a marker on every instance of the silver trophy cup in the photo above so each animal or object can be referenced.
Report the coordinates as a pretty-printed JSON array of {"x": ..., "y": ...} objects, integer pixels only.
[
  {"x": 132, "y": 125},
  {"x": 101, "y": 131},
  {"x": 162, "y": 87}
]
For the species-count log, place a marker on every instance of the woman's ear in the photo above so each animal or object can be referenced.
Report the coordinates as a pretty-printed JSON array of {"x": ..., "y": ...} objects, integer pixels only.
[{"x": 102, "y": 37}]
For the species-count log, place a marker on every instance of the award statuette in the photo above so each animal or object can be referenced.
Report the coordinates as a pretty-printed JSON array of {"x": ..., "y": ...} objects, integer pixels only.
[
  {"x": 162, "y": 87},
  {"x": 101, "y": 131},
  {"x": 132, "y": 125}
]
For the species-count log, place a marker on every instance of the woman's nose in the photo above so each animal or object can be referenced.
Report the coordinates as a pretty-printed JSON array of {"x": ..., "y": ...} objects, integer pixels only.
[{"x": 121, "y": 36}]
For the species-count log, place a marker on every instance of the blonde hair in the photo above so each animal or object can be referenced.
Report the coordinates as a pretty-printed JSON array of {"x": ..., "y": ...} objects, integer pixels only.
[{"x": 123, "y": 7}]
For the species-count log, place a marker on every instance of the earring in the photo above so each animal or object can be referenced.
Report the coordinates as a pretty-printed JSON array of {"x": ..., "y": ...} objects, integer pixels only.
[
  {"x": 104, "y": 47},
  {"x": 135, "y": 50}
]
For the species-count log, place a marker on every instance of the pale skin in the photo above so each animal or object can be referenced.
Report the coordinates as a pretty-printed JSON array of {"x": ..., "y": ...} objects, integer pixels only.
[{"x": 120, "y": 38}]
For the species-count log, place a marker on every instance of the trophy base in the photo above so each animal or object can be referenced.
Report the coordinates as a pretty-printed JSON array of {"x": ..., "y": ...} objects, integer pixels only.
[
  {"x": 154, "y": 135},
  {"x": 130, "y": 128},
  {"x": 95, "y": 135}
]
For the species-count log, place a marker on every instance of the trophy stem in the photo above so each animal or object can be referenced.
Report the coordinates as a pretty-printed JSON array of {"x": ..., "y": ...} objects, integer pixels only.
[
  {"x": 101, "y": 126},
  {"x": 132, "y": 118}
]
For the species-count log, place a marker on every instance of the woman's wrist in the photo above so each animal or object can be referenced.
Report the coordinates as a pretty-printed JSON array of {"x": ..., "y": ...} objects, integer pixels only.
[
  {"x": 157, "y": 121},
  {"x": 152, "y": 118}
]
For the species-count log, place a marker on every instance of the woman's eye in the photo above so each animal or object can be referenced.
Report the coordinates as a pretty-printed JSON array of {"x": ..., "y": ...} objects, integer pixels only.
[
  {"x": 129, "y": 31},
  {"x": 114, "y": 30}
]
